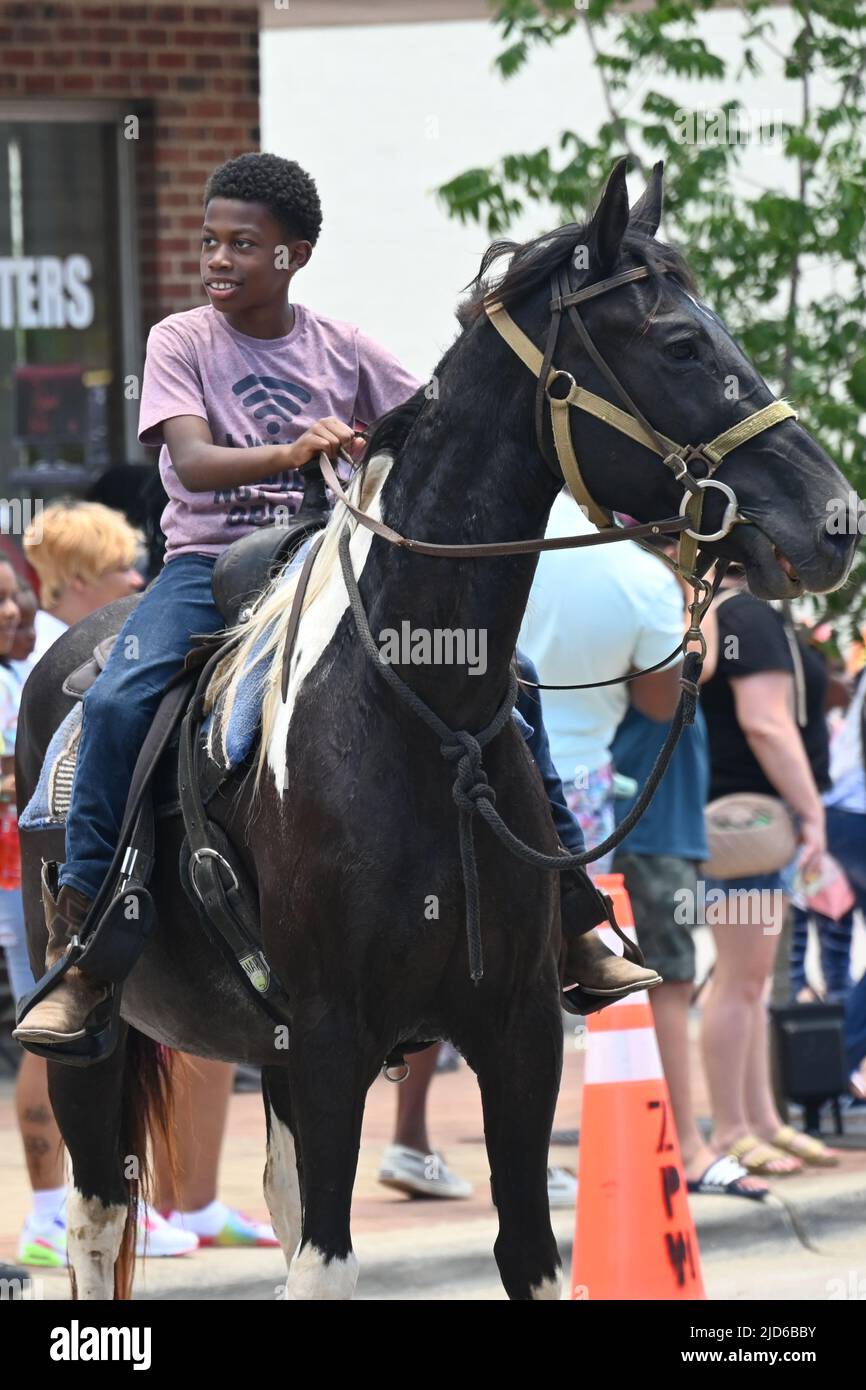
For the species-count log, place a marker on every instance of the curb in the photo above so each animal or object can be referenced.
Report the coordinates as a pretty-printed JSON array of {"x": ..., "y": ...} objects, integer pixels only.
[
  {"x": 454, "y": 1259},
  {"x": 817, "y": 1210}
]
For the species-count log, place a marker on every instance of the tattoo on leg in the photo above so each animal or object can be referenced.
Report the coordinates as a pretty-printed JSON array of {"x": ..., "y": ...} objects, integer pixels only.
[
  {"x": 38, "y": 1115},
  {"x": 36, "y": 1147}
]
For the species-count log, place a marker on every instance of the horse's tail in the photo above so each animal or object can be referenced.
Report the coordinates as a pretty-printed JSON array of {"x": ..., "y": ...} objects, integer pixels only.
[{"x": 147, "y": 1113}]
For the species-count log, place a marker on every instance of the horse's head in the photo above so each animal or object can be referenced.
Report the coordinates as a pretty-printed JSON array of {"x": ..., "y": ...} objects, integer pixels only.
[{"x": 691, "y": 381}]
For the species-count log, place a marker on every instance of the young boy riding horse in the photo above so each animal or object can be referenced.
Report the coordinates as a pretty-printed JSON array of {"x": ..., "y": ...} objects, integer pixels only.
[{"x": 239, "y": 394}]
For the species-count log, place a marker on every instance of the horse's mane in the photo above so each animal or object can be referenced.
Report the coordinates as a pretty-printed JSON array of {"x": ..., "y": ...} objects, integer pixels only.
[
  {"x": 391, "y": 430},
  {"x": 263, "y": 634},
  {"x": 531, "y": 264}
]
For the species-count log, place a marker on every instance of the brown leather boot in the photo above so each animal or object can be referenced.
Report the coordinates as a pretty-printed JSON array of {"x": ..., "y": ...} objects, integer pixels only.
[
  {"x": 591, "y": 967},
  {"x": 592, "y": 975},
  {"x": 63, "y": 1013}
]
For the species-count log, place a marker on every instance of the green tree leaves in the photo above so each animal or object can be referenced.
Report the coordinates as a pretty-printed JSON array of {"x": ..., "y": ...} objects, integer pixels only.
[{"x": 784, "y": 264}]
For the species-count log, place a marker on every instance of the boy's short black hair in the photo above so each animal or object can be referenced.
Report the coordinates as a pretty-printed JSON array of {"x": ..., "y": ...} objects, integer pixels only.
[{"x": 289, "y": 194}]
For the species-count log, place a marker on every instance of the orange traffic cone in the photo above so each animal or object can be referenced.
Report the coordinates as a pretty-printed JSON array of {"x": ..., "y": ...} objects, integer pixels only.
[{"x": 635, "y": 1237}]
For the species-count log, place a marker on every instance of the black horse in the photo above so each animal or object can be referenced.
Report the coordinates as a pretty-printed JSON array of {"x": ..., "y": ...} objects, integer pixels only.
[{"x": 347, "y": 824}]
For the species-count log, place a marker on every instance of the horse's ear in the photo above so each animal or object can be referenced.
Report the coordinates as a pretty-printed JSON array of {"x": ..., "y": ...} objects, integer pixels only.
[
  {"x": 607, "y": 228},
  {"x": 647, "y": 211}
]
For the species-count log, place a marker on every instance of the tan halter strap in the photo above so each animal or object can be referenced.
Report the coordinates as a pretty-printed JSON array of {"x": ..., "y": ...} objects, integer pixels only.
[{"x": 630, "y": 421}]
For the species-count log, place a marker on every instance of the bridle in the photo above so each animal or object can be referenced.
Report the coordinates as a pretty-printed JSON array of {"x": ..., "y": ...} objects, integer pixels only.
[
  {"x": 680, "y": 459},
  {"x": 631, "y": 421},
  {"x": 463, "y": 749}
]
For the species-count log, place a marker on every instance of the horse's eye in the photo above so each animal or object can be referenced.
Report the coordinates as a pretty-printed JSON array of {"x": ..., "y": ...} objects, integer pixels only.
[{"x": 681, "y": 351}]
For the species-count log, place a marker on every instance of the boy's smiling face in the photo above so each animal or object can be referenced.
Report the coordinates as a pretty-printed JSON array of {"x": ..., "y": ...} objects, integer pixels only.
[{"x": 247, "y": 259}]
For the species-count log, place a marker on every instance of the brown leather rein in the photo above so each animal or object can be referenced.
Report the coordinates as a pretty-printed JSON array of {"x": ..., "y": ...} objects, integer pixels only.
[{"x": 631, "y": 421}]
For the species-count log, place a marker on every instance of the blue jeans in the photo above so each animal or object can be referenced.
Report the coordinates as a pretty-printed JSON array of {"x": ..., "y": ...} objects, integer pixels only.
[
  {"x": 13, "y": 939},
  {"x": 834, "y": 941},
  {"x": 119, "y": 708},
  {"x": 529, "y": 708}
]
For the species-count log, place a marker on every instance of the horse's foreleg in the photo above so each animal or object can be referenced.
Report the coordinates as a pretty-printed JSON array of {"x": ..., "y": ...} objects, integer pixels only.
[
  {"x": 88, "y": 1105},
  {"x": 330, "y": 1078},
  {"x": 282, "y": 1179},
  {"x": 519, "y": 1072}
]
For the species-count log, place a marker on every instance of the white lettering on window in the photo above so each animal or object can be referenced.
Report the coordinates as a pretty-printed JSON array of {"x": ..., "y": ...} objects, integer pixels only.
[{"x": 45, "y": 292}]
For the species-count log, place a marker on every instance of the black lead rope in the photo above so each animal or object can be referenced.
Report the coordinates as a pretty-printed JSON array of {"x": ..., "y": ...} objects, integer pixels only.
[{"x": 473, "y": 793}]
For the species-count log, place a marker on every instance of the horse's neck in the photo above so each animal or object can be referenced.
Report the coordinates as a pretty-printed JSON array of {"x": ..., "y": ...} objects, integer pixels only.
[{"x": 470, "y": 472}]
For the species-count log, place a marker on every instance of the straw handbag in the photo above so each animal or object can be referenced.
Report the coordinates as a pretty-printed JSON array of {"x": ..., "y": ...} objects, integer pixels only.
[{"x": 747, "y": 834}]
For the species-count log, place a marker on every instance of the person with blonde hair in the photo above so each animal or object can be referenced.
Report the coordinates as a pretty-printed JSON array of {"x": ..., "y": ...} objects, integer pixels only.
[{"x": 84, "y": 555}]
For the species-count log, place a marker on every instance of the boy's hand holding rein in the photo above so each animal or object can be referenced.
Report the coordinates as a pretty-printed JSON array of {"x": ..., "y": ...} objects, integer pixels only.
[
  {"x": 203, "y": 466},
  {"x": 326, "y": 436}
]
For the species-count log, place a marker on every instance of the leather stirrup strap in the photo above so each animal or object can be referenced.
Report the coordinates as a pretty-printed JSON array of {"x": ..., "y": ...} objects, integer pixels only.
[
  {"x": 229, "y": 912},
  {"x": 295, "y": 613},
  {"x": 168, "y": 715}
]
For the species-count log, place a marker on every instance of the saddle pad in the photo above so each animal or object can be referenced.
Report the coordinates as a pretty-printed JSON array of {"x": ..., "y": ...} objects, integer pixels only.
[
  {"x": 49, "y": 804},
  {"x": 244, "y": 723},
  {"x": 231, "y": 744}
]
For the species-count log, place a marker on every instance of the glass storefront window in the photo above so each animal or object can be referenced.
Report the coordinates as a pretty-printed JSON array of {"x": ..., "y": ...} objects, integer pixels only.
[{"x": 61, "y": 301}]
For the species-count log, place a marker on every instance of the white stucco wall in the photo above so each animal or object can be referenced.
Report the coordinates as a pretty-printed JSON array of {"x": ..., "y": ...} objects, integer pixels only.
[{"x": 381, "y": 115}]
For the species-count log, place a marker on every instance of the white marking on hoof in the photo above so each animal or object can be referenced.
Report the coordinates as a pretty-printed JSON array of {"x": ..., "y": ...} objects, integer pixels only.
[
  {"x": 282, "y": 1189},
  {"x": 310, "y": 1277},
  {"x": 94, "y": 1232},
  {"x": 548, "y": 1289}
]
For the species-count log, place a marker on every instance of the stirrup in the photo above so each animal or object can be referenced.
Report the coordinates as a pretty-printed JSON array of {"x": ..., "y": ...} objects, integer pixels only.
[
  {"x": 576, "y": 1000},
  {"x": 101, "y": 1036},
  {"x": 630, "y": 949},
  {"x": 108, "y": 954}
]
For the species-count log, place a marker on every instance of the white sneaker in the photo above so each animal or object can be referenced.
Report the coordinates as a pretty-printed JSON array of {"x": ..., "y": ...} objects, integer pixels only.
[
  {"x": 155, "y": 1237},
  {"x": 419, "y": 1174},
  {"x": 43, "y": 1245},
  {"x": 561, "y": 1188}
]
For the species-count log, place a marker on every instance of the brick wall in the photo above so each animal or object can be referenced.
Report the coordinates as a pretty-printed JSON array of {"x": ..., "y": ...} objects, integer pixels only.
[{"x": 191, "y": 72}]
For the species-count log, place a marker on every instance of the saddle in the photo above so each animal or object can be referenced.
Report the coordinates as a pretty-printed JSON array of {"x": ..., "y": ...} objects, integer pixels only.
[{"x": 122, "y": 915}]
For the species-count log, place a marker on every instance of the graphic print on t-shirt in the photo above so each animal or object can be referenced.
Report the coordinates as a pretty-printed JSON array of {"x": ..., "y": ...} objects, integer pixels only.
[
  {"x": 255, "y": 392},
  {"x": 263, "y": 397},
  {"x": 270, "y": 399}
]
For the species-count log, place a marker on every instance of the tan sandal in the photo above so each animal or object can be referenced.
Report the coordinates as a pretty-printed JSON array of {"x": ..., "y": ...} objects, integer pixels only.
[
  {"x": 804, "y": 1146},
  {"x": 759, "y": 1158}
]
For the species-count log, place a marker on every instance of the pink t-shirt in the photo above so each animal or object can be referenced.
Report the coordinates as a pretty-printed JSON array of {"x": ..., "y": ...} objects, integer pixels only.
[{"x": 255, "y": 391}]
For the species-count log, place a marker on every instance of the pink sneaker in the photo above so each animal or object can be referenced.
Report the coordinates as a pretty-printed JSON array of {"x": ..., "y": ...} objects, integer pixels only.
[
  {"x": 155, "y": 1237},
  {"x": 237, "y": 1230}
]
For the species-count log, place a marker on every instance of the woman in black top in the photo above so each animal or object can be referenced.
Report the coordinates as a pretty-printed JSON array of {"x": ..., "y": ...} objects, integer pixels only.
[{"x": 757, "y": 745}]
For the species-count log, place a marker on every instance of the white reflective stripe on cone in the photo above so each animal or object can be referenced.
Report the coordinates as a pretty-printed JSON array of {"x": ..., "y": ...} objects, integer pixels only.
[{"x": 628, "y": 1054}]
